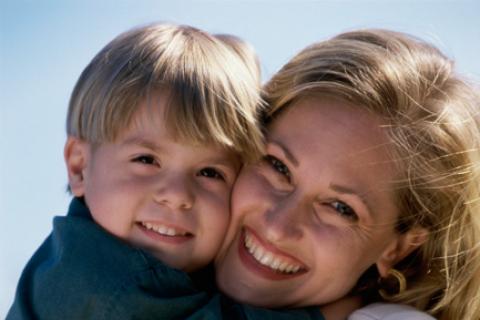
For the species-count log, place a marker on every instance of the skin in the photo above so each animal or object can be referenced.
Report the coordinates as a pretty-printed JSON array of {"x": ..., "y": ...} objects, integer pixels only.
[
  {"x": 155, "y": 192},
  {"x": 316, "y": 213}
]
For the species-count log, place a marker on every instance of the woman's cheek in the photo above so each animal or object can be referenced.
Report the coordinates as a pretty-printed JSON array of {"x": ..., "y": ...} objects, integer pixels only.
[
  {"x": 251, "y": 192},
  {"x": 240, "y": 197}
]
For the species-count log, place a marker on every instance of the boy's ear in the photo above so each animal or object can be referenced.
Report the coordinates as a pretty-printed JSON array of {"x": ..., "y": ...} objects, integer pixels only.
[
  {"x": 401, "y": 247},
  {"x": 76, "y": 154}
]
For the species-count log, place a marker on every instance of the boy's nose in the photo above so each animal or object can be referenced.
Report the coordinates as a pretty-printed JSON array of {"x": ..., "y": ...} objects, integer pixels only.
[{"x": 176, "y": 193}]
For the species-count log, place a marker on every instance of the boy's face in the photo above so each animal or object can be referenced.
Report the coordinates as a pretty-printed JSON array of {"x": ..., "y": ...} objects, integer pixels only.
[{"x": 166, "y": 197}]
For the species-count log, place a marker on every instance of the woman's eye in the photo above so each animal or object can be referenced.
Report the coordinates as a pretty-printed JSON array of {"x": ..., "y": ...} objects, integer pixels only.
[
  {"x": 344, "y": 210},
  {"x": 146, "y": 159},
  {"x": 211, "y": 173},
  {"x": 278, "y": 166}
]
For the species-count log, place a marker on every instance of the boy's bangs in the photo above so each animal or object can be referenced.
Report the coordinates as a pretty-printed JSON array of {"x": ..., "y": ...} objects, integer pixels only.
[{"x": 194, "y": 116}]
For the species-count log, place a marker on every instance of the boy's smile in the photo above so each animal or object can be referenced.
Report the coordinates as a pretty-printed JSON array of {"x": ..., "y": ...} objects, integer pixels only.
[
  {"x": 162, "y": 232},
  {"x": 162, "y": 195},
  {"x": 166, "y": 230}
]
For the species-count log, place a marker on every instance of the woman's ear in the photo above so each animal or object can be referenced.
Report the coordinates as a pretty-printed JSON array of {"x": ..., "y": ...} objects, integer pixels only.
[
  {"x": 76, "y": 154},
  {"x": 400, "y": 248}
]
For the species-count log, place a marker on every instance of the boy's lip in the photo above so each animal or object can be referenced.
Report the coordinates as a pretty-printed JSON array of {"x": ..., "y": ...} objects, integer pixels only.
[
  {"x": 265, "y": 259},
  {"x": 165, "y": 232}
]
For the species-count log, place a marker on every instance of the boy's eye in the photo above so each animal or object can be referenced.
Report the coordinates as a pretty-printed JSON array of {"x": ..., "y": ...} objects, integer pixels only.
[
  {"x": 344, "y": 210},
  {"x": 211, "y": 173},
  {"x": 278, "y": 166},
  {"x": 146, "y": 159}
]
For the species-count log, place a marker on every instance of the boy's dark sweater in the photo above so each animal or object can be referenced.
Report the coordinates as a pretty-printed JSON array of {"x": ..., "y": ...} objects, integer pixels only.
[{"x": 83, "y": 272}]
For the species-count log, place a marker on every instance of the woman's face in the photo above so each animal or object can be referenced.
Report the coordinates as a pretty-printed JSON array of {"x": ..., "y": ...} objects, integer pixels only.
[{"x": 315, "y": 213}]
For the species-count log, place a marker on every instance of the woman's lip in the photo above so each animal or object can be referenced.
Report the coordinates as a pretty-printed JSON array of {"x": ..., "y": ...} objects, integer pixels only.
[
  {"x": 175, "y": 239},
  {"x": 262, "y": 270}
]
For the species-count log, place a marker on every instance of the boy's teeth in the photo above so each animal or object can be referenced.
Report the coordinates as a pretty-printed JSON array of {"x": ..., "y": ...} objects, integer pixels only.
[
  {"x": 162, "y": 229},
  {"x": 267, "y": 258}
]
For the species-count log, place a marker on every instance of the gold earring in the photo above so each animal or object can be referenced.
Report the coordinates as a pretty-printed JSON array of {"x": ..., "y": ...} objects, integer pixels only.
[{"x": 400, "y": 279}]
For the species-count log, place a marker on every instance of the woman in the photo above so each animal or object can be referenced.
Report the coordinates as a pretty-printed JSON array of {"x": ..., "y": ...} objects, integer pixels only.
[{"x": 369, "y": 186}]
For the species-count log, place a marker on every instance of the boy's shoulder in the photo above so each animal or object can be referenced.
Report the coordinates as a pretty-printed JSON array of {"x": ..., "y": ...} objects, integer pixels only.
[
  {"x": 78, "y": 244},
  {"x": 81, "y": 271}
]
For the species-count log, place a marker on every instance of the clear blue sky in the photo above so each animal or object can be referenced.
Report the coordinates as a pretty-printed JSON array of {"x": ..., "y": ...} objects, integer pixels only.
[{"x": 44, "y": 45}]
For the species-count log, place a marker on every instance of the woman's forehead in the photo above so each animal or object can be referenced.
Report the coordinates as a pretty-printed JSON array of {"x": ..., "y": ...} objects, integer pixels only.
[{"x": 319, "y": 121}]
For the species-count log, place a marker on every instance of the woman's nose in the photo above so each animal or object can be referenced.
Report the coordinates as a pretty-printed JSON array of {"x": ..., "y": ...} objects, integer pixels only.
[
  {"x": 176, "y": 192},
  {"x": 284, "y": 218}
]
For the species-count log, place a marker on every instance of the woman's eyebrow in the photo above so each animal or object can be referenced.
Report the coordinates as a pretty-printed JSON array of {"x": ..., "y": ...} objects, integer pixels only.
[
  {"x": 353, "y": 192},
  {"x": 286, "y": 152}
]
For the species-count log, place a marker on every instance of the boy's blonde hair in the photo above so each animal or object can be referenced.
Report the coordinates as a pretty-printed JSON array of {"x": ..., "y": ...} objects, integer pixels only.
[
  {"x": 432, "y": 120},
  {"x": 245, "y": 51},
  {"x": 215, "y": 99}
]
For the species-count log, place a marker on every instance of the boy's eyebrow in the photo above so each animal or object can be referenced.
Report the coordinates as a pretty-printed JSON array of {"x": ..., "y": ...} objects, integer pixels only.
[
  {"x": 224, "y": 160},
  {"x": 142, "y": 142}
]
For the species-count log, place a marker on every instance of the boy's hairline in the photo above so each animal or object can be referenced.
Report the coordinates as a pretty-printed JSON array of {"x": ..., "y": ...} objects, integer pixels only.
[{"x": 149, "y": 99}]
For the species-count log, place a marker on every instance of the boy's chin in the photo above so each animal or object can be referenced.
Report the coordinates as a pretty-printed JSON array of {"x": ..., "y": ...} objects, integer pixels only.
[{"x": 181, "y": 263}]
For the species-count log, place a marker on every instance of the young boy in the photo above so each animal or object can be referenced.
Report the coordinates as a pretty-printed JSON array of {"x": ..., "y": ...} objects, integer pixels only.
[{"x": 158, "y": 126}]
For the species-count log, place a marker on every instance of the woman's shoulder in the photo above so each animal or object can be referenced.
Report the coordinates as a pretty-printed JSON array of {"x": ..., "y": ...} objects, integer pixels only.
[{"x": 389, "y": 311}]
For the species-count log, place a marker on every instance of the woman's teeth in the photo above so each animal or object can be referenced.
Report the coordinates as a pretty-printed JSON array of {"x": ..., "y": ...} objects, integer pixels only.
[
  {"x": 267, "y": 258},
  {"x": 163, "y": 230}
]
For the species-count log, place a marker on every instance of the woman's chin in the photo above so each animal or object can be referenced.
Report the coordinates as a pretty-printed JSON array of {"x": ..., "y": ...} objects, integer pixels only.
[
  {"x": 252, "y": 297},
  {"x": 248, "y": 289}
]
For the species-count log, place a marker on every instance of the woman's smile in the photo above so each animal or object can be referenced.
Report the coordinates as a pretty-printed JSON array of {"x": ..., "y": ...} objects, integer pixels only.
[{"x": 265, "y": 259}]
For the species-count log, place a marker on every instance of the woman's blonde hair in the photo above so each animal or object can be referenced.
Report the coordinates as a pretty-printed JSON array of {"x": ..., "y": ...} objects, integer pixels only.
[
  {"x": 433, "y": 123},
  {"x": 216, "y": 98}
]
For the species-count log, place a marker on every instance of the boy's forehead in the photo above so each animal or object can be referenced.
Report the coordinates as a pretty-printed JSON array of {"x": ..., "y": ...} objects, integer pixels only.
[
  {"x": 150, "y": 128},
  {"x": 152, "y": 111}
]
